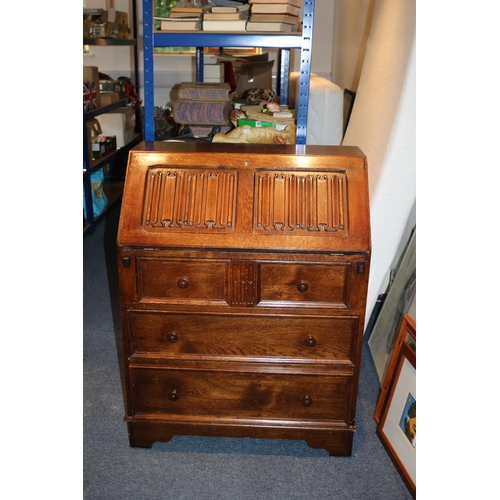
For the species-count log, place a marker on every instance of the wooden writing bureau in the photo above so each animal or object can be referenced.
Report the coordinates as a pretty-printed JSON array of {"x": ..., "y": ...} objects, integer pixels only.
[{"x": 243, "y": 278}]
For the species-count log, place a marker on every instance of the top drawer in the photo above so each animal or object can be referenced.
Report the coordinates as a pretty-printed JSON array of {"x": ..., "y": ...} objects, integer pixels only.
[
  {"x": 181, "y": 280},
  {"x": 305, "y": 284},
  {"x": 249, "y": 283}
]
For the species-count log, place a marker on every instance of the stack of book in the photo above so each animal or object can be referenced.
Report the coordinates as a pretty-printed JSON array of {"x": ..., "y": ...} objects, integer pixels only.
[
  {"x": 202, "y": 103},
  {"x": 182, "y": 19},
  {"x": 274, "y": 15},
  {"x": 226, "y": 18},
  {"x": 259, "y": 113}
]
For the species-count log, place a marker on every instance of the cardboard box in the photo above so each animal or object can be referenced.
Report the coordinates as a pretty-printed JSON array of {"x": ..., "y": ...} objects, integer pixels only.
[
  {"x": 86, "y": 28},
  {"x": 108, "y": 98},
  {"x": 120, "y": 123},
  {"x": 254, "y": 72},
  {"x": 103, "y": 145},
  {"x": 93, "y": 15},
  {"x": 121, "y": 18},
  {"x": 254, "y": 75},
  {"x": 123, "y": 32},
  {"x": 113, "y": 86}
]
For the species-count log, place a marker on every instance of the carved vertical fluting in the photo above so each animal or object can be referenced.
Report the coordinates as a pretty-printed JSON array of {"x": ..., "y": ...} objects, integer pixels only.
[
  {"x": 311, "y": 202},
  {"x": 190, "y": 198},
  {"x": 244, "y": 284}
]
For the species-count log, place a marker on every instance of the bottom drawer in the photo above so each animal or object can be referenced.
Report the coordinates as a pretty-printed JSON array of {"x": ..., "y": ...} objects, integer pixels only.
[{"x": 250, "y": 395}]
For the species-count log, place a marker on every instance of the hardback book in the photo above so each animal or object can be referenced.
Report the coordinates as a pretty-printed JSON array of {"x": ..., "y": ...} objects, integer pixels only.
[
  {"x": 257, "y": 115},
  {"x": 282, "y": 27},
  {"x": 180, "y": 24},
  {"x": 189, "y": 10},
  {"x": 281, "y": 114},
  {"x": 235, "y": 25},
  {"x": 207, "y": 91},
  {"x": 275, "y": 18},
  {"x": 224, "y": 8},
  {"x": 202, "y": 112},
  {"x": 276, "y": 8},
  {"x": 223, "y": 16},
  {"x": 184, "y": 14},
  {"x": 297, "y": 3}
]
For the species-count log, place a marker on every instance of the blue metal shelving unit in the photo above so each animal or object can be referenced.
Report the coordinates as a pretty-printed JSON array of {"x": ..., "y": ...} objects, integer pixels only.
[
  {"x": 200, "y": 40},
  {"x": 90, "y": 166}
]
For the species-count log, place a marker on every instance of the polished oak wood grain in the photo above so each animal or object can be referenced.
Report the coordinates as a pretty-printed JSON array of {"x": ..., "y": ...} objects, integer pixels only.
[{"x": 243, "y": 279}]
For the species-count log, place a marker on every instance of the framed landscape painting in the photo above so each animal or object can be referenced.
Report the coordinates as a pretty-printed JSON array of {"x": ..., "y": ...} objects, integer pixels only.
[
  {"x": 407, "y": 335},
  {"x": 397, "y": 428}
]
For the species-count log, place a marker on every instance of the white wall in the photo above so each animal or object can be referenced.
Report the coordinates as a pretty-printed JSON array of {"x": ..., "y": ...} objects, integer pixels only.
[
  {"x": 383, "y": 125},
  {"x": 351, "y": 27}
]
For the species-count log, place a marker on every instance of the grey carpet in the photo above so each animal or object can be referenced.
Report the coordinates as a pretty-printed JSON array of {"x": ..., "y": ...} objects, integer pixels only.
[{"x": 205, "y": 468}]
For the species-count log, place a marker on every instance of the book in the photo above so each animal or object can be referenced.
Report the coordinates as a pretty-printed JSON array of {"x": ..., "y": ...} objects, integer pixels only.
[
  {"x": 184, "y": 15},
  {"x": 224, "y": 16},
  {"x": 258, "y": 115},
  {"x": 188, "y": 10},
  {"x": 180, "y": 24},
  {"x": 275, "y": 18},
  {"x": 204, "y": 91},
  {"x": 281, "y": 114},
  {"x": 202, "y": 112},
  {"x": 224, "y": 9},
  {"x": 297, "y": 3},
  {"x": 276, "y": 8},
  {"x": 267, "y": 26},
  {"x": 235, "y": 25},
  {"x": 254, "y": 123}
]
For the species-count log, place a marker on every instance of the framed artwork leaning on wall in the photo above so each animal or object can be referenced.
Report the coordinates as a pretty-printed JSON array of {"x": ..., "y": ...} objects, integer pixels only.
[
  {"x": 407, "y": 335},
  {"x": 397, "y": 428},
  {"x": 400, "y": 296}
]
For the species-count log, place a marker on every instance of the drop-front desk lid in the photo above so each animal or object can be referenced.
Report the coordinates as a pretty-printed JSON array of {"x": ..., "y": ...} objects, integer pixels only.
[{"x": 254, "y": 197}]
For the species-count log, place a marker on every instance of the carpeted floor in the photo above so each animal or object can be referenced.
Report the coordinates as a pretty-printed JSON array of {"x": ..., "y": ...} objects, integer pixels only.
[{"x": 203, "y": 468}]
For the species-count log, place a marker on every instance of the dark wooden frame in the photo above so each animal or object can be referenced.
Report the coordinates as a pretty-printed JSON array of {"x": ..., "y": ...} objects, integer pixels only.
[
  {"x": 405, "y": 353},
  {"x": 407, "y": 335},
  {"x": 349, "y": 97}
]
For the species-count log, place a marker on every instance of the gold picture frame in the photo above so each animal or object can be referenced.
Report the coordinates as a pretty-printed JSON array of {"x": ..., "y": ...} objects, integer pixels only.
[{"x": 397, "y": 429}]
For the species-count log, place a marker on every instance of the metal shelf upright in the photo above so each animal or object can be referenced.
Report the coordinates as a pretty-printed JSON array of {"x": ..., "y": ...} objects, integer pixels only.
[
  {"x": 90, "y": 166},
  {"x": 201, "y": 39}
]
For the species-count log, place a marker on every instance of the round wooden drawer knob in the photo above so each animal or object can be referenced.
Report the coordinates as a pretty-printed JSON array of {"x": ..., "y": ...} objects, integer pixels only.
[
  {"x": 172, "y": 337},
  {"x": 306, "y": 401},
  {"x": 310, "y": 341},
  {"x": 183, "y": 283},
  {"x": 174, "y": 395},
  {"x": 302, "y": 286}
]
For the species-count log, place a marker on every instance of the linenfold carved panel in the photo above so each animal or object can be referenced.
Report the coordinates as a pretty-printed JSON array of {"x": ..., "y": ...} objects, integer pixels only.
[
  {"x": 243, "y": 284},
  {"x": 301, "y": 201},
  {"x": 190, "y": 198}
]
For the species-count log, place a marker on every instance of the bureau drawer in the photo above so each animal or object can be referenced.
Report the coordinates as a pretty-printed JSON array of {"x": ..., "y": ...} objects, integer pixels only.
[
  {"x": 300, "y": 284},
  {"x": 228, "y": 394},
  {"x": 260, "y": 337},
  {"x": 181, "y": 280}
]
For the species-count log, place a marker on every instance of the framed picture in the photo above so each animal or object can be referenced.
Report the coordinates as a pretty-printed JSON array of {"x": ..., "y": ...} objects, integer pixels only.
[
  {"x": 397, "y": 428},
  {"x": 407, "y": 335},
  {"x": 399, "y": 298},
  {"x": 349, "y": 97}
]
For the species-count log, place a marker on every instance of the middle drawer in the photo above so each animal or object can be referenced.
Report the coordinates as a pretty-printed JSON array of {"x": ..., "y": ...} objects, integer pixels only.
[{"x": 260, "y": 337}]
